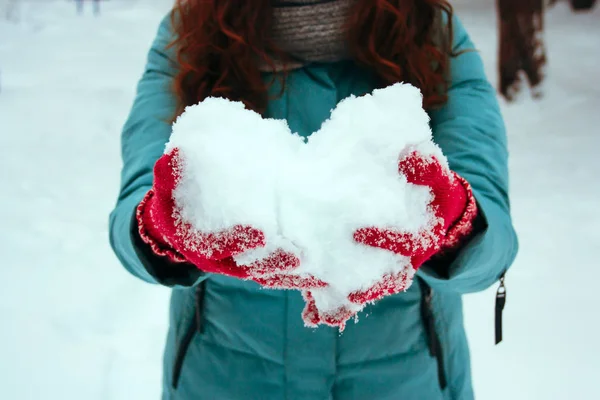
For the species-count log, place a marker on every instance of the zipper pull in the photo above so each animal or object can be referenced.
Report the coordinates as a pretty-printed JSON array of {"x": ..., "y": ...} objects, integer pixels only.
[{"x": 500, "y": 303}]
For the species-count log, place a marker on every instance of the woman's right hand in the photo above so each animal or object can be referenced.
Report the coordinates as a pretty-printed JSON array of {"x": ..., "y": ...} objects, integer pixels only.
[{"x": 161, "y": 227}]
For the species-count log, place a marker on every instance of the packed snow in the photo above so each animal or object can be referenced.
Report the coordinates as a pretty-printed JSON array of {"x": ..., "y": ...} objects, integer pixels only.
[
  {"x": 237, "y": 168},
  {"x": 76, "y": 326}
]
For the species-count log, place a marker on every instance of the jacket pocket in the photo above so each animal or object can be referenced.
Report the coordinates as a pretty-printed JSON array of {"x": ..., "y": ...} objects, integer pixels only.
[{"x": 195, "y": 326}]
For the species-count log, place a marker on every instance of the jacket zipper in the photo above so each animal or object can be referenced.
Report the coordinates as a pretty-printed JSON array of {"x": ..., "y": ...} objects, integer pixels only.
[
  {"x": 500, "y": 303},
  {"x": 194, "y": 326},
  {"x": 433, "y": 339}
]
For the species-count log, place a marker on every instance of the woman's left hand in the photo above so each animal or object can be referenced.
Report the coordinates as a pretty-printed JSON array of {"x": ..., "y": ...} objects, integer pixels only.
[{"x": 453, "y": 208}]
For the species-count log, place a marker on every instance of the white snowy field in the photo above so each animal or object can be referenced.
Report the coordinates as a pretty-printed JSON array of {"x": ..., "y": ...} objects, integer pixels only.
[{"x": 75, "y": 325}]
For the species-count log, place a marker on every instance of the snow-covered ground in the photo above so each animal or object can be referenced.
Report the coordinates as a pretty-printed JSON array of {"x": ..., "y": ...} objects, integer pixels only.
[{"x": 75, "y": 325}]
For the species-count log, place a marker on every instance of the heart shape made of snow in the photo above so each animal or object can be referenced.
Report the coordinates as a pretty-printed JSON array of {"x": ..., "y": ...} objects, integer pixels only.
[{"x": 309, "y": 197}]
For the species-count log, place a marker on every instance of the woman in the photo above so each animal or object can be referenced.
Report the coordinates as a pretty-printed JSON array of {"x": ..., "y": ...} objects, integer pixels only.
[
  {"x": 521, "y": 45},
  {"x": 295, "y": 60}
]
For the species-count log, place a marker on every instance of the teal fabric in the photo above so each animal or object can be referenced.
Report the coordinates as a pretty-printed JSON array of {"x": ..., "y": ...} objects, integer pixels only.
[{"x": 253, "y": 344}]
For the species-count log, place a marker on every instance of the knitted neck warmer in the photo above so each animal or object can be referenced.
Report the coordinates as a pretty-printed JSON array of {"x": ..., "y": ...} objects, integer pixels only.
[{"x": 310, "y": 30}]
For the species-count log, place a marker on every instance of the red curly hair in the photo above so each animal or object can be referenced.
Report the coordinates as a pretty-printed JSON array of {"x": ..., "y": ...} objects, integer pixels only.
[{"x": 218, "y": 44}]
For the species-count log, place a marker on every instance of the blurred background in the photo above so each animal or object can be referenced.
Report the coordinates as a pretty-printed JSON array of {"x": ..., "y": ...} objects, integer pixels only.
[{"x": 75, "y": 325}]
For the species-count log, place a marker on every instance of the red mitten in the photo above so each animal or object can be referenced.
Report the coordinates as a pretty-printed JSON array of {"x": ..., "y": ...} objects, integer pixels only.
[
  {"x": 274, "y": 272},
  {"x": 389, "y": 284},
  {"x": 453, "y": 209},
  {"x": 453, "y": 206},
  {"x": 312, "y": 316},
  {"x": 161, "y": 226}
]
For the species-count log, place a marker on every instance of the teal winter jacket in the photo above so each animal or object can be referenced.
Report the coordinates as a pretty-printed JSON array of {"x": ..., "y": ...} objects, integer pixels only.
[{"x": 229, "y": 339}]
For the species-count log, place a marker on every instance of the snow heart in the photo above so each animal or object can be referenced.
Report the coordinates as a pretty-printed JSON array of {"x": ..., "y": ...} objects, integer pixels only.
[{"x": 309, "y": 196}]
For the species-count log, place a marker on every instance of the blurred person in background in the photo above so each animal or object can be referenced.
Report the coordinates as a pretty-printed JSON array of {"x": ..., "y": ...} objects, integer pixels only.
[
  {"x": 521, "y": 45},
  {"x": 12, "y": 10},
  {"x": 80, "y": 5},
  {"x": 522, "y": 53},
  {"x": 229, "y": 338}
]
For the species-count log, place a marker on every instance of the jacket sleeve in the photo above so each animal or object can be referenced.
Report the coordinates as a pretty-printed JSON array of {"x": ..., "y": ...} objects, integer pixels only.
[
  {"x": 470, "y": 131},
  {"x": 143, "y": 140}
]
